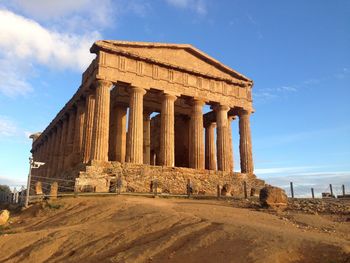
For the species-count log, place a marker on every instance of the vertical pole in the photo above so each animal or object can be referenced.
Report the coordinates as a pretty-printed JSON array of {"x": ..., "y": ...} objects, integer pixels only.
[
  {"x": 218, "y": 189},
  {"x": 312, "y": 193},
  {"x": 28, "y": 182},
  {"x": 189, "y": 187},
  {"x": 331, "y": 188},
  {"x": 291, "y": 189},
  {"x": 245, "y": 189},
  {"x": 155, "y": 187},
  {"x": 343, "y": 189}
]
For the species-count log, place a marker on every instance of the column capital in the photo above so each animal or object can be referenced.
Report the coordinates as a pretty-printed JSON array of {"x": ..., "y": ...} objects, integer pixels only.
[
  {"x": 102, "y": 83},
  {"x": 220, "y": 107},
  {"x": 197, "y": 101},
  {"x": 146, "y": 114},
  {"x": 243, "y": 112},
  {"x": 169, "y": 96},
  {"x": 210, "y": 125},
  {"x": 137, "y": 90},
  {"x": 231, "y": 117}
]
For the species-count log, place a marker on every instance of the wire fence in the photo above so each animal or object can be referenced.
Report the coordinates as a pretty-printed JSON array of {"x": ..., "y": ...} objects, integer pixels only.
[
  {"x": 41, "y": 188},
  {"x": 296, "y": 190}
]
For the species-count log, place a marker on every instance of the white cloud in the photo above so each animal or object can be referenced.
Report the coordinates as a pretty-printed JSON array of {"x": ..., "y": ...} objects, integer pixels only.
[
  {"x": 26, "y": 42},
  {"x": 78, "y": 15},
  {"x": 48, "y": 9},
  {"x": 13, "y": 80},
  {"x": 199, "y": 6},
  {"x": 287, "y": 88},
  {"x": 267, "y": 94},
  {"x": 8, "y": 127},
  {"x": 305, "y": 178},
  {"x": 281, "y": 170},
  {"x": 26, "y": 39}
]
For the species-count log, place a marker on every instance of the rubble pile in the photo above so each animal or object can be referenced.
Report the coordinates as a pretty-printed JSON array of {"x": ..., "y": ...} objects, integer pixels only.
[{"x": 320, "y": 206}]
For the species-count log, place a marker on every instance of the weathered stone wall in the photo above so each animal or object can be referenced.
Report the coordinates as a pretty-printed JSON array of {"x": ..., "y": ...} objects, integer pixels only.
[{"x": 101, "y": 177}]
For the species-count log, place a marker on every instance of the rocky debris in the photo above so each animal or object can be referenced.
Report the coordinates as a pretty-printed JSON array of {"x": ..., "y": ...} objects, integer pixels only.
[
  {"x": 320, "y": 206},
  {"x": 271, "y": 196},
  {"x": 4, "y": 217},
  {"x": 327, "y": 195}
]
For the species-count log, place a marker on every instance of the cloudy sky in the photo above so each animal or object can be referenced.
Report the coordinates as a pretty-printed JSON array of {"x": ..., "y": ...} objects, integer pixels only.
[{"x": 297, "y": 53}]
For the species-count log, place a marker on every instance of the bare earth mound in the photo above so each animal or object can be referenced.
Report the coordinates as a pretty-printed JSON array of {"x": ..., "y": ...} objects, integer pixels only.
[{"x": 136, "y": 229}]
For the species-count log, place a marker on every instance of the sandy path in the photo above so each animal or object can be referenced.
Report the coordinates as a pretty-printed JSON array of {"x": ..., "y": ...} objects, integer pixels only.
[{"x": 136, "y": 229}]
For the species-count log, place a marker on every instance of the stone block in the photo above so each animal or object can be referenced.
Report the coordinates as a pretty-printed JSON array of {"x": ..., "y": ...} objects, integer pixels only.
[
  {"x": 38, "y": 188},
  {"x": 271, "y": 196},
  {"x": 4, "y": 217},
  {"x": 53, "y": 190}
]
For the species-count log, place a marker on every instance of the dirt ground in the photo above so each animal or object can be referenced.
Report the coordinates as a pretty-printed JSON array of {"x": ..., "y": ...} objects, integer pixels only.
[{"x": 140, "y": 229}]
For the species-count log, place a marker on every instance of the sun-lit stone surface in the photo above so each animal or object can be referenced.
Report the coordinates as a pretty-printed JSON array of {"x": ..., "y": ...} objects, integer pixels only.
[{"x": 142, "y": 103}]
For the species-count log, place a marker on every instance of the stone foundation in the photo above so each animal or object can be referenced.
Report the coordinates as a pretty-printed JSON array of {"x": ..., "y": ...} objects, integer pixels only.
[{"x": 102, "y": 176}]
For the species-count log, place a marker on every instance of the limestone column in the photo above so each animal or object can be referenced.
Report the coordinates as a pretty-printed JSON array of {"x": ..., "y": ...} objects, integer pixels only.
[
  {"x": 245, "y": 143},
  {"x": 120, "y": 136},
  {"x": 39, "y": 158},
  {"x": 146, "y": 138},
  {"x": 49, "y": 154},
  {"x": 230, "y": 143},
  {"x": 88, "y": 124},
  {"x": 79, "y": 132},
  {"x": 57, "y": 148},
  {"x": 45, "y": 154},
  {"x": 70, "y": 138},
  {"x": 196, "y": 157},
  {"x": 52, "y": 153},
  {"x": 135, "y": 126},
  {"x": 63, "y": 143},
  {"x": 210, "y": 149},
  {"x": 222, "y": 138},
  {"x": 167, "y": 131},
  {"x": 100, "y": 132}
]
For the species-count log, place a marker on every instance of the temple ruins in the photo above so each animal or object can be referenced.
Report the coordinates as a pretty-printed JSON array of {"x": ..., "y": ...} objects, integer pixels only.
[{"x": 138, "y": 114}]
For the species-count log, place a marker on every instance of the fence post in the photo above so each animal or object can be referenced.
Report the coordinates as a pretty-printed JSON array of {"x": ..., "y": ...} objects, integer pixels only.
[
  {"x": 119, "y": 184},
  {"x": 155, "y": 187},
  {"x": 26, "y": 203},
  {"x": 291, "y": 189},
  {"x": 218, "y": 191},
  {"x": 343, "y": 189},
  {"x": 245, "y": 189},
  {"x": 331, "y": 188},
  {"x": 312, "y": 193},
  {"x": 53, "y": 191},
  {"x": 189, "y": 188}
]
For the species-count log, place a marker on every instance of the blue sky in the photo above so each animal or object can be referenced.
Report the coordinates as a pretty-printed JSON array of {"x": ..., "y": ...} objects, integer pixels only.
[{"x": 297, "y": 53}]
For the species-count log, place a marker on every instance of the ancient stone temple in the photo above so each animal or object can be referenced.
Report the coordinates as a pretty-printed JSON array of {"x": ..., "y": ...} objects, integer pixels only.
[{"x": 138, "y": 113}]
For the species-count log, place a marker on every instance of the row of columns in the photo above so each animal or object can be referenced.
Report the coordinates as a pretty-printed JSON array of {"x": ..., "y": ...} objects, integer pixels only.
[
  {"x": 83, "y": 134},
  {"x": 222, "y": 157}
]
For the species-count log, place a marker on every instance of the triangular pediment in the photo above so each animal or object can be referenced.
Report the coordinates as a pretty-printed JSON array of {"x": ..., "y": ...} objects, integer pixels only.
[{"x": 179, "y": 55}]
